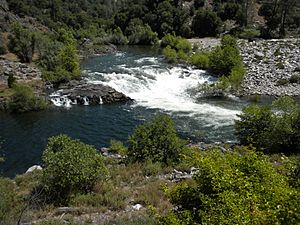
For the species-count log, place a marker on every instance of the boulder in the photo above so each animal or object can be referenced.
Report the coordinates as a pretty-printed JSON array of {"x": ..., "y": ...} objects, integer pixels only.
[{"x": 84, "y": 93}]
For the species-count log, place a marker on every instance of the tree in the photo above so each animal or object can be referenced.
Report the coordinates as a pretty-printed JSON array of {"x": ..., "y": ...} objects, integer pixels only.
[
  {"x": 206, "y": 23},
  {"x": 156, "y": 140},
  {"x": 22, "y": 42},
  {"x": 277, "y": 13},
  {"x": 24, "y": 100},
  {"x": 273, "y": 132},
  {"x": 234, "y": 187},
  {"x": 70, "y": 167}
]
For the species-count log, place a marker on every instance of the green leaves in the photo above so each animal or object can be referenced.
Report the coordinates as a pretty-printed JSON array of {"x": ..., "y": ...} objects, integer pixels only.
[
  {"x": 70, "y": 167},
  {"x": 157, "y": 141},
  {"x": 24, "y": 100},
  {"x": 234, "y": 187},
  {"x": 273, "y": 131}
]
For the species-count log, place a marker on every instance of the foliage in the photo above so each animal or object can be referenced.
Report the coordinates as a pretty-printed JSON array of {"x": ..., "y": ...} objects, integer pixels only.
[
  {"x": 22, "y": 42},
  {"x": 272, "y": 131},
  {"x": 206, "y": 23},
  {"x": 249, "y": 33},
  {"x": 234, "y": 187},
  {"x": 140, "y": 34},
  {"x": 200, "y": 60},
  {"x": 70, "y": 167},
  {"x": 58, "y": 57},
  {"x": 170, "y": 54},
  {"x": 279, "y": 15},
  {"x": 117, "y": 147},
  {"x": 11, "y": 80},
  {"x": 9, "y": 204},
  {"x": 176, "y": 42},
  {"x": 24, "y": 100},
  {"x": 225, "y": 57},
  {"x": 156, "y": 140}
]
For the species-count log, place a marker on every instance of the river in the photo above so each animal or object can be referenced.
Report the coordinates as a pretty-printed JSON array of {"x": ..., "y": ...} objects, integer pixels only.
[{"x": 141, "y": 74}]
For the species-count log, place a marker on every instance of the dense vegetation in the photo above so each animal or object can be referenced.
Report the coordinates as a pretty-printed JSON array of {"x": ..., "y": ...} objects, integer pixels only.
[
  {"x": 229, "y": 185},
  {"x": 24, "y": 100},
  {"x": 222, "y": 61},
  {"x": 186, "y": 18},
  {"x": 272, "y": 130}
]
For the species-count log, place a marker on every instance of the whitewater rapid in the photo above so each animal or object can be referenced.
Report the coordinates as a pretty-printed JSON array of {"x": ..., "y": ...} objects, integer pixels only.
[{"x": 167, "y": 88}]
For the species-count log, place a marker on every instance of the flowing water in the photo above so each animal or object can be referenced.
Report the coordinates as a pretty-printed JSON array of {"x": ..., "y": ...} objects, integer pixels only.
[{"x": 139, "y": 73}]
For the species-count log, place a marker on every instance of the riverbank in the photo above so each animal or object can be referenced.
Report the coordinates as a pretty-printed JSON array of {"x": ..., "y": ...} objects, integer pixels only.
[{"x": 272, "y": 66}]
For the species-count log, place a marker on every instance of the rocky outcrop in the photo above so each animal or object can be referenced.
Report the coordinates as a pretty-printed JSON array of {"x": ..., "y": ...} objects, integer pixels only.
[
  {"x": 84, "y": 93},
  {"x": 272, "y": 67},
  {"x": 21, "y": 72}
]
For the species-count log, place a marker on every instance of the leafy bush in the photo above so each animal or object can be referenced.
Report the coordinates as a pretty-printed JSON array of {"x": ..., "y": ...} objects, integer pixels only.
[
  {"x": 223, "y": 59},
  {"x": 249, "y": 33},
  {"x": 280, "y": 65},
  {"x": 117, "y": 147},
  {"x": 274, "y": 132},
  {"x": 294, "y": 79},
  {"x": 156, "y": 140},
  {"x": 9, "y": 203},
  {"x": 140, "y": 34},
  {"x": 200, "y": 60},
  {"x": 70, "y": 167},
  {"x": 22, "y": 42},
  {"x": 233, "y": 188},
  {"x": 11, "y": 80},
  {"x": 170, "y": 54},
  {"x": 206, "y": 23},
  {"x": 58, "y": 57},
  {"x": 24, "y": 100},
  {"x": 176, "y": 42}
]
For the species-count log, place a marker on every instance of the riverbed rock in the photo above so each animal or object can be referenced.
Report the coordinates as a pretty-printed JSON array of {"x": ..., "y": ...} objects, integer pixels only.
[
  {"x": 85, "y": 93},
  {"x": 270, "y": 66}
]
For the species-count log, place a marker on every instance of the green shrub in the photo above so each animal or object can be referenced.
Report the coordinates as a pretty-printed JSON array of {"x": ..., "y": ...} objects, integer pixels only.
[
  {"x": 169, "y": 40},
  {"x": 249, "y": 33},
  {"x": 236, "y": 77},
  {"x": 233, "y": 188},
  {"x": 140, "y": 34},
  {"x": 22, "y": 42},
  {"x": 117, "y": 147},
  {"x": 294, "y": 79},
  {"x": 9, "y": 203},
  {"x": 170, "y": 54},
  {"x": 150, "y": 168},
  {"x": 24, "y": 100},
  {"x": 274, "y": 132},
  {"x": 182, "y": 55},
  {"x": 11, "y": 80},
  {"x": 280, "y": 65},
  {"x": 176, "y": 42},
  {"x": 200, "y": 60},
  {"x": 70, "y": 167},
  {"x": 206, "y": 23},
  {"x": 156, "y": 140},
  {"x": 281, "y": 82}
]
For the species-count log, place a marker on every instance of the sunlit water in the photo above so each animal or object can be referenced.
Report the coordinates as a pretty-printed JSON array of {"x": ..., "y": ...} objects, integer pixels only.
[{"x": 139, "y": 73}]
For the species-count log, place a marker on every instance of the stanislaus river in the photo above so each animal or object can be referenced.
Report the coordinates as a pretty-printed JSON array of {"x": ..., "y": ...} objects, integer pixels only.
[{"x": 142, "y": 75}]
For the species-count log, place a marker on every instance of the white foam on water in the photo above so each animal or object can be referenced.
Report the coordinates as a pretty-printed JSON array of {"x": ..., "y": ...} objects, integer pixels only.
[
  {"x": 146, "y": 59},
  {"x": 166, "y": 89}
]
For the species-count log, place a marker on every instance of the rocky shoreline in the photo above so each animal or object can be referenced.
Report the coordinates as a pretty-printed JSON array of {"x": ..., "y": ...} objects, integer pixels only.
[{"x": 273, "y": 67}]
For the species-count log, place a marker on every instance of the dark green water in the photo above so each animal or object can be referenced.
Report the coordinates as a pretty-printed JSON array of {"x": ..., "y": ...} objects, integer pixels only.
[{"x": 141, "y": 74}]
